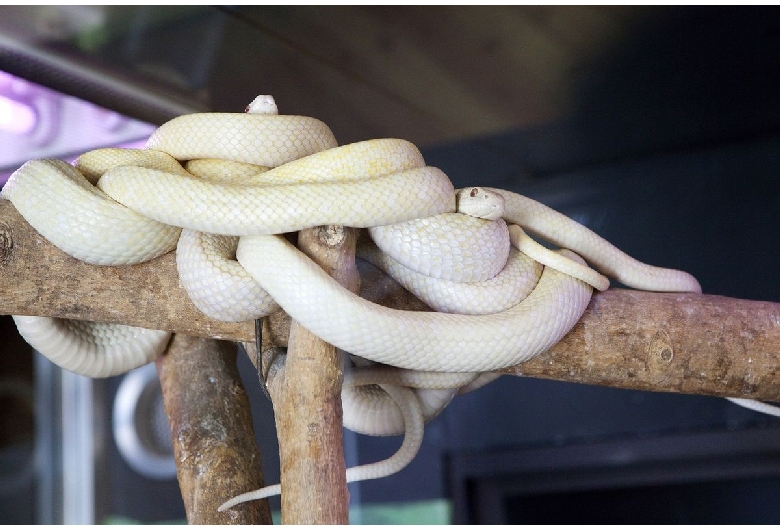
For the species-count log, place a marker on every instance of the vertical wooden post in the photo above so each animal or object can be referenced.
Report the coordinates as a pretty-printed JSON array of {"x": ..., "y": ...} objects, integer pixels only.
[
  {"x": 211, "y": 429},
  {"x": 307, "y": 400}
]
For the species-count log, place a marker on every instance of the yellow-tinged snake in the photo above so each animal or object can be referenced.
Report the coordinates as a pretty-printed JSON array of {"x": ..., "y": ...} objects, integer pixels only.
[{"x": 220, "y": 187}]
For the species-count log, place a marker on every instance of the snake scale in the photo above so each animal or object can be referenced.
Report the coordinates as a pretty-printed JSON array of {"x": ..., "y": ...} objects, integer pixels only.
[{"x": 220, "y": 188}]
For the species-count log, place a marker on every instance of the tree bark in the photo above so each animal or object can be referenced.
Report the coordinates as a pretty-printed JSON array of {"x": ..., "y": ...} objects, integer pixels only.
[
  {"x": 211, "y": 428},
  {"x": 686, "y": 343},
  {"x": 40, "y": 279},
  {"x": 306, "y": 395}
]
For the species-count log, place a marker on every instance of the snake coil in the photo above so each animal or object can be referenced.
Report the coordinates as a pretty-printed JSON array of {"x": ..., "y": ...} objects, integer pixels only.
[{"x": 218, "y": 188}]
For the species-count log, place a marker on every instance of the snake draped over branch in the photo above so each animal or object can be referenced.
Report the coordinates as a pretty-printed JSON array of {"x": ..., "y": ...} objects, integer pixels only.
[{"x": 221, "y": 188}]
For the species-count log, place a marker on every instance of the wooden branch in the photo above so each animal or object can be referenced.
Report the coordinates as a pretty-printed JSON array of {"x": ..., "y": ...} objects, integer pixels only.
[
  {"x": 306, "y": 396},
  {"x": 719, "y": 346},
  {"x": 40, "y": 279},
  {"x": 686, "y": 343},
  {"x": 211, "y": 429}
]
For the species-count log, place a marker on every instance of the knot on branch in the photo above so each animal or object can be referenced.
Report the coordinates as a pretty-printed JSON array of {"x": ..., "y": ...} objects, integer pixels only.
[{"x": 6, "y": 243}]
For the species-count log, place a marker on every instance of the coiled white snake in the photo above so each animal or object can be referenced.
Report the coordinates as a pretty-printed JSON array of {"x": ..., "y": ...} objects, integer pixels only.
[{"x": 219, "y": 186}]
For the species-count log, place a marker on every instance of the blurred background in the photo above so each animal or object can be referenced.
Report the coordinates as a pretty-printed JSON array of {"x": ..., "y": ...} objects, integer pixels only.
[{"x": 657, "y": 127}]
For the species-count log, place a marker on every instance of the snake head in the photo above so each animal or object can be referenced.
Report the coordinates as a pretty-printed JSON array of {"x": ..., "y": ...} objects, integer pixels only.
[
  {"x": 481, "y": 203},
  {"x": 262, "y": 105}
]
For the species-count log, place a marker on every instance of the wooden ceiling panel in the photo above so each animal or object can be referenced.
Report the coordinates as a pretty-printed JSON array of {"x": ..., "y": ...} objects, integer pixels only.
[
  {"x": 431, "y": 74},
  {"x": 437, "y": 74},
  {"x": 305, "y": 84}
]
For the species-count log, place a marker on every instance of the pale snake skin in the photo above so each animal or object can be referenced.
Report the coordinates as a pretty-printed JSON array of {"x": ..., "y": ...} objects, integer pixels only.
[{"x": 383, "y": 185}]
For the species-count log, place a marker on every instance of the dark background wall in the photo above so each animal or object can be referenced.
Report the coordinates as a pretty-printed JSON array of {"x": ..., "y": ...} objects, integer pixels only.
[
  {"x": 668, "y": 145},
  {"x": 672, "y": 153}
]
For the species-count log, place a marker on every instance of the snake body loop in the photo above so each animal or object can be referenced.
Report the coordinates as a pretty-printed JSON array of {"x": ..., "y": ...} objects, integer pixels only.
[
  {"x": 101, "y": 349},
  {"x": 416, "y": 341},
  {"x": 214, "y": 280},
  {"x": 220, "y": 187},
  {"x": 81, "y": 220}
]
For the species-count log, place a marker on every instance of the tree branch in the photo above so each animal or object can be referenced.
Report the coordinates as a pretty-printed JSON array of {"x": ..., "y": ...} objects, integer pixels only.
[
  {"x": 719, "y": 346},
  {"x": 686, "y": 343},
  {"x": 211, "y": 430},
  {"x": 306, "y": 395}
]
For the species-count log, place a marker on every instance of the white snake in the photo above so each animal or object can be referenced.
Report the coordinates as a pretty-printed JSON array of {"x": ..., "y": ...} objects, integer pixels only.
[{"x": 219, "y": 186}]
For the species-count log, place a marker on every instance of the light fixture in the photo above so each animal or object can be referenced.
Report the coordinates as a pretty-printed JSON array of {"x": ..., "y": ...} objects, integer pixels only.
[{"x": 16, "y": 117}]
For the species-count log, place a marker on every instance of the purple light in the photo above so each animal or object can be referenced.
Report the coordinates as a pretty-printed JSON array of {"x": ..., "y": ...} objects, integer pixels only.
[{"x": 16, "y": 117}]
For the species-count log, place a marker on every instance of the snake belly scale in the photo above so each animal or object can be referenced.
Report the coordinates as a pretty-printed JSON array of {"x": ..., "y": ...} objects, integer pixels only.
[{"x": 220, "y": 188}]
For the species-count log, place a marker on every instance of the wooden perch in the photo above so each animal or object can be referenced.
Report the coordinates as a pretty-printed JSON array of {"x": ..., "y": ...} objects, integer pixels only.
[
  {"x": 211, "y": 429},
  {"x": 698, "y": 344},
  {"x": 306, "y": 396},
  {"x": 685, "y": 343}
]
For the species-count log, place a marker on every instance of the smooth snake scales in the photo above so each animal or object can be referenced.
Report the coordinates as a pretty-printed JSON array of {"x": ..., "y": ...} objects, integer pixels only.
[{"x": 219, "y": 187}]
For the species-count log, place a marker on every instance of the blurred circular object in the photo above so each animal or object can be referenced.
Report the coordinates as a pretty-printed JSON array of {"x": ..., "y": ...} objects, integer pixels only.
[{"x": 141, "y": 429}]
